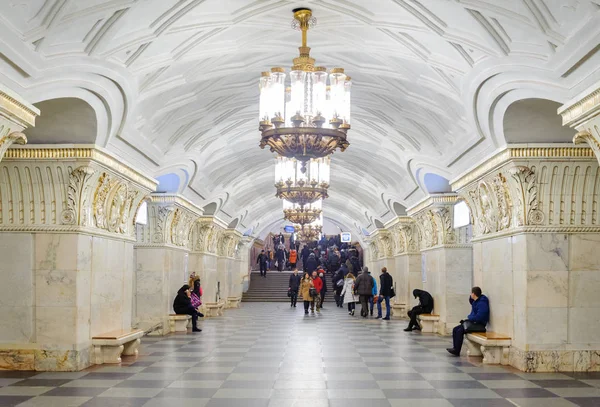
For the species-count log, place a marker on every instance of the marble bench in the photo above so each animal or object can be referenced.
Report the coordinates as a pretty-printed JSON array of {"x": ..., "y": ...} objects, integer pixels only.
[
  {"x": 492, "y": 346},
  {"x": 399, "y": 310},
  {"x": 179, "y": 322},
  {"x": 109, "y": 347},
  {"x": 214, "y": 309},
  {"x": 233, "y": 302},
  {"x": 429, "y": 322}
]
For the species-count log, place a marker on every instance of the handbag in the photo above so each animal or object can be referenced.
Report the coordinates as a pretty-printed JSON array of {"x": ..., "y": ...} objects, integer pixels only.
[
  {"x": 470, "y": 326},
  {"x": 340, "y": 283},
  {"x": 312, "y": 291}
]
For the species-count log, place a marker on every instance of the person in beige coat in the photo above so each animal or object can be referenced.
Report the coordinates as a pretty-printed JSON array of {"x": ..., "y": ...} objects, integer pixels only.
[
  {"x": 305, "y": 284},
  {"x": 348, "y": 293}
]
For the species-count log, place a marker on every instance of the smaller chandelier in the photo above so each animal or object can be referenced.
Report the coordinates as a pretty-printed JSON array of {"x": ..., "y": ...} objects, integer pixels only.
[
  {"x": 302, "y": 188},
  {"x": 308, "y": 233},
  {"x": 302, "y": 215}
]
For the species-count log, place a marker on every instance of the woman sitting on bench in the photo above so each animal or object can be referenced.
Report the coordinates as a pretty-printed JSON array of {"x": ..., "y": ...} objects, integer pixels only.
[{"x": 183, "y": 306}]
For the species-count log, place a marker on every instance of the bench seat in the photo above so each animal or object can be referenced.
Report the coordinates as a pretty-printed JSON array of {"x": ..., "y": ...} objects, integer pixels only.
[
  {"x": 109, "y": 346},
  {"x": 179, "y": 322},
  {"x": 429, "y": 322},
  {"x": 233, "y": 302},
  {"x": 494, "y": 347},
  {"x": 399, "y": 310},
  {"x": 214, "y": 309}
]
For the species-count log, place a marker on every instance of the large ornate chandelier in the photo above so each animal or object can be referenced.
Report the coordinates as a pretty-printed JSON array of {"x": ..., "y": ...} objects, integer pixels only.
[
  {"x": 302, "y": 215},
  {"x": 298, "y": 187},
  {"x": 309, "y": 119}
]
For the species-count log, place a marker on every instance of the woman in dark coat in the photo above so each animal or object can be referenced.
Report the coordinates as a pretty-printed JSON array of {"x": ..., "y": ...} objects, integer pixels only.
[
  {"x": 312, "y": 263},
  {"x": 425, "y": 307},
  {"x": 183, "y": 306}
]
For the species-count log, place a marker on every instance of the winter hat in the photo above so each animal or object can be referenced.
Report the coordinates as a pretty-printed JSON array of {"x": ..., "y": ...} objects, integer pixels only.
[{"x": 366, "y": 270}]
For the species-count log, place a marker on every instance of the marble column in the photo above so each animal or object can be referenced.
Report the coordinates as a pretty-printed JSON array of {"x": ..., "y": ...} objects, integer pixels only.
[
  {"x": 66, "y": 231},
  {"x": 162, "y": 257},
  {"x": 407, "y": 259},
  {"x": 535, "y": 244},
  {"x": 446, "y": 260},
  {"x": 15, "y": 116}
]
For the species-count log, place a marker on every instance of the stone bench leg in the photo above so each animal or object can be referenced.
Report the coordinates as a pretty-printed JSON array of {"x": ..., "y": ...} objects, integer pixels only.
[
  {"x": 473, "y": 349},
  {"x": 108, "y": 354},
  {"x": 131, "y": 348},
  {"x": 181, "y": 325},
  {"x": 428, "y": 326},
  {"x": 495, "y": 355}
]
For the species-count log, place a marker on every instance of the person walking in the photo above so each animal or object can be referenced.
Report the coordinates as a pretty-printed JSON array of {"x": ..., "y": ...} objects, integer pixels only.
[
  {"x": 293, "y": 258},
  {"x": 182, "y": 305},
  {"x": 294, "y": 286},
  {"x": 318, "y": 284},
  {"x": 280, "y": 254},
  {"x": 304, "y": 255},
  {"x": 374, "y": 296},
  {"x": 305, "y": 284},
  {"x": 386, "y": 288},
  {"x": 311, "y": 263},
  {"x": 364, "y": 288},
  {"x": 348, "y": 293},
  {"x": 262, "y": 262},
  {"x": 324, "y": 289},
  {"x": 475, "y": 322},
  {"x": 425, "y": 307},
  {"x": 338, "y": 284}
]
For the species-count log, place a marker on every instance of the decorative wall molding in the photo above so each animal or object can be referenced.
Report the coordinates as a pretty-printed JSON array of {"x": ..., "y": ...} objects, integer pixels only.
[
  {"x": 528, "y": 193},
  {"x": 434, "y": 219},
  {"x": 15, "y": 116},
  {"x": 403, "y": 236},
  {"x": 91, "y": 194},
  {"x": 171, "y": 219}
]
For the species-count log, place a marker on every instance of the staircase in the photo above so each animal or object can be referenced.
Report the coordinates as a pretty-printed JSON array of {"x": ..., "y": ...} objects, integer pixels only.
[{"x": 270, "y": 289}]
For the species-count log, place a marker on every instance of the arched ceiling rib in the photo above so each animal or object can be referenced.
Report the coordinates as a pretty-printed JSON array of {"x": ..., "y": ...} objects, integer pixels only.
[{"x": 174, "y": 83}]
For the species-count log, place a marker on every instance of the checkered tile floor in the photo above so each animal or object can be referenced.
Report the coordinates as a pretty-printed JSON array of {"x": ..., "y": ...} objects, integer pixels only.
[{"x": 272, "y": 355}]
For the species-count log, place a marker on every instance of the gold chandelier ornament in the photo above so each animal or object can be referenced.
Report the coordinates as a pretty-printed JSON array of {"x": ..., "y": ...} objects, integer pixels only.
[
  {"x": 302, "y": 216},
  {"x": 308, "y": 233},
  {"x": 302, "y": 187},
  {"x": 309, "y": 119}
]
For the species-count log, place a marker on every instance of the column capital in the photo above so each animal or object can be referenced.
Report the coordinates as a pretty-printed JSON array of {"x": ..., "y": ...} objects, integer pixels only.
[
  {"x": 583, "y": 114},
  {"x": 532, "y": 188},
  {"x": 73, "y": 188},
  {"x": 171, "y": 218},
  {"x": 15, "y": 116},
  {"x": 434, "y": 218}
]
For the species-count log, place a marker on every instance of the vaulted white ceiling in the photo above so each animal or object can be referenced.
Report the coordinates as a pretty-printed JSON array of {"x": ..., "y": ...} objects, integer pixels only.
[{"x": 173, "y": 84}]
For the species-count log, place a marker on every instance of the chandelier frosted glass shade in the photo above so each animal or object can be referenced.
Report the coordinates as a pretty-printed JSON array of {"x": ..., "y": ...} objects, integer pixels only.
[
  {"x": 302, "y": 187},
  {"x": 309, "y": 115}
]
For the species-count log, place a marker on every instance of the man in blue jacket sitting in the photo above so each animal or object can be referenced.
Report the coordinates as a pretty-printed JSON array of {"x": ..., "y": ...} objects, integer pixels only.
[{"x": 475, "y": 322}]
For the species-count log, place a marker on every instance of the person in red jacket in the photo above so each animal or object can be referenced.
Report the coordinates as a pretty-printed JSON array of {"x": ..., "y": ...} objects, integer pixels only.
[{"x": 318, "y": 283}]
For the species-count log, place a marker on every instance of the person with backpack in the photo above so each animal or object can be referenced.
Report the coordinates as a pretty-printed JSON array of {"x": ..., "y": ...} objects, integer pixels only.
[
  {"x": 374, "y": 296},
  {"x": 338, "y": 284},
  {"x": 386, "y": 291},
  {"x": 363, "y": 286}
]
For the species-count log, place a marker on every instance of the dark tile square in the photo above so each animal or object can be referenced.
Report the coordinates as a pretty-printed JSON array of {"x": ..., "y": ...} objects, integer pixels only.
[
  {"x": 584, "y": 375},
  {"x": 165, "y": 370},
  {"x": 75, "y": 391},
  {"x": 115, "y": 402},
  {"x": 585, "y": 401},
  {"x": 42, "y": 382},
  {"x": 144, "y": 384},
  {"x": 559, "y": 383},
  {"x": 13, "y": 374},
  {"x": 397, "y": 376},
  {"x": 141, "y": 364},
  {"x": 481, "y": 403},
  {"x": 187, "y": 393},
  {"x": 457, "y": 384},
  {"x": 524, "y": 393},
  {"x": 412, "y": 394},
  {"x": 248, "y": 384},
  {"x": 495, "y": 376},
  {"x": 429, "y": 369},
  {"x": 11, "y": 401},
  {"x": 358, "y": 403},
  {"x": 106, "y": 376}
]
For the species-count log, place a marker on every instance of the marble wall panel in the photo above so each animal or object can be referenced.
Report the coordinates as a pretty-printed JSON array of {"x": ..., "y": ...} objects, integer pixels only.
[
  {"x": 496, "y": 255},
  {"x": 584, "y": 254},
  {"x": 547, "y": 289},
  {"x": 584, "y": 327},
  {"x": 478, "y": 264},
  {"x": 17, "y": 290},
  {"x": 584, "y": 289},
  {"x": 547, "y": 327},
  {"x": 547, "y": 252}
]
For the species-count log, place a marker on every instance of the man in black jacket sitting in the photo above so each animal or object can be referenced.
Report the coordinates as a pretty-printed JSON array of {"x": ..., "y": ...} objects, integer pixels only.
[
  {"x": 425, "y": 307},
  {"x": 183, "y": 306}
]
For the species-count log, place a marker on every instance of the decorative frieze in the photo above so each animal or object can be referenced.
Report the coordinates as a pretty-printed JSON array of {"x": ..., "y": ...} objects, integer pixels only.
[
  {"x": 206, "y": 234},
  {"x": 15, "y": 116},
  {"x": 65, "y": 192},
  {"x": 529, "y": 193},
  {"x": 399, "y": 236},
  {"x": 434, "y": 220},
  {"x": 171, "y": 219}
]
